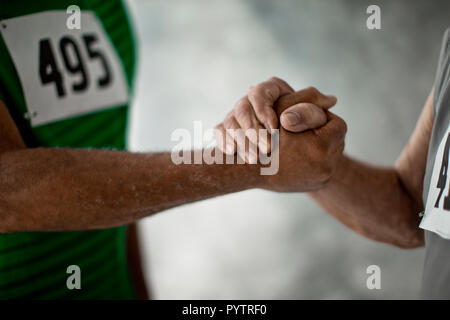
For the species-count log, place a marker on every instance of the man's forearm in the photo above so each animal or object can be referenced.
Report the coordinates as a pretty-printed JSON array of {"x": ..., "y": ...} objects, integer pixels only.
[
  {"x": 47, "y": 189},
  {"x": 373, "y": 202}
]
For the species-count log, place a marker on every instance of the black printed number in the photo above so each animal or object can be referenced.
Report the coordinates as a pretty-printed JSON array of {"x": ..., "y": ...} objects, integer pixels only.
[
  {"x": 73, "y": 64},
  {"x": 89, "y": 41},
  {"x": 442, "y": 180},
  {"x": 48, "y": 70},
  {"x": 67, "y": 45}
]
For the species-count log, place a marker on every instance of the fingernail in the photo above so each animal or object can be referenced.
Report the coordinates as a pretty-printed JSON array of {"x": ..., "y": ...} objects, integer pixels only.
[{"x": 292, "y": 118}]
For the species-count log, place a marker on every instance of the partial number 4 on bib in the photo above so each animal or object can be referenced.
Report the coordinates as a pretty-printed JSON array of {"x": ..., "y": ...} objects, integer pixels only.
[{"x": 437, "y": 208}]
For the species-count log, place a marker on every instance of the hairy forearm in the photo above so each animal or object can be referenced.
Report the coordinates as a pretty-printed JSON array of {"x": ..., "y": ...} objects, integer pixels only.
[
  {"x": 48, "y": 189},
  {"x": 374, "y": 202}
]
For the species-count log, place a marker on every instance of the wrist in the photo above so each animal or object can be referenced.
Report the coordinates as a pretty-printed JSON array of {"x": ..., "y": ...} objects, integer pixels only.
[
  {"x": 340, "y": 171},
  {"x": 339, "y": 174},
  {"x": 235, "y": 175},
  {"x": 251, "y": 174}
]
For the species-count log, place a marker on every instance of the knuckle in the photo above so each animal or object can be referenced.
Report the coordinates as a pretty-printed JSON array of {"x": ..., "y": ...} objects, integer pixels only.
[
  {"x": 341, "y": 129},
  {"x": 271, "y": 93},
  {"x": 274, "y": 79},
  {"x": 227, "y": 125},
  {"x": 312, "y": 90},
  {"x": 242, "y": 109},
  {"x": 327, "y": 161},
  {"x": 229, "y": 122},
  {"x": 251, "y": 92},
  {"x": 344, "y": 127},
  {"x": 258, "y": 92}
]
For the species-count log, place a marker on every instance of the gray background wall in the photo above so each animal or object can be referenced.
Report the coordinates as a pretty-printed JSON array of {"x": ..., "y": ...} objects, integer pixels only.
[{"x": 198, "y": 57}]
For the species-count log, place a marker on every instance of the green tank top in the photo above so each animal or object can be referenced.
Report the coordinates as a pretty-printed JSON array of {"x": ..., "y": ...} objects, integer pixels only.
[{"x": 66, "y": 87}]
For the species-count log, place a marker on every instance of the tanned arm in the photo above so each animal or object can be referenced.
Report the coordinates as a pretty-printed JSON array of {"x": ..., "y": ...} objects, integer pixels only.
[
  {"x": 57, "y": 189},
  {"x": 383, "y": 203}
]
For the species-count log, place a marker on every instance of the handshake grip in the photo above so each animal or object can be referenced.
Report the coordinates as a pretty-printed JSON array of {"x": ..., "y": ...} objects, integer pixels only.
[
  {"x": 303, "y": 110},
  {"x": 309, "y": 152},
  {"x": 307, "y": 149}
]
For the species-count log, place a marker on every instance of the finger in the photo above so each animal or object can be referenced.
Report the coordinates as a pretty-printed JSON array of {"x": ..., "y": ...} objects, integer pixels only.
[
  {"x": 334, "y": 130},
  {"x": 246, "y": 150},
  {"x": 224, "y": 140},
  {"x": 251, "y": 152},
  {"x": 231, "y": 125},
  {"x": 303, "y": 116},
  {"x": 264, "y": 141},
  {"x": 283, "y": 84},
  {"x": 311, "y": 95},
  {"x": 220, "y": 136},
  {"x": 247, "y": 121},
  {"x": 262, "y": 98}
]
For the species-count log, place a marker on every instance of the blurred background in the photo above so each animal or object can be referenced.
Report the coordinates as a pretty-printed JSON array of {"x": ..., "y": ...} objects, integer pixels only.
[{"x": 198, "y": 57}]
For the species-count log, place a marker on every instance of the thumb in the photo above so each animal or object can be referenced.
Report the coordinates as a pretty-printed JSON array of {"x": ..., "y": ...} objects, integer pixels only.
[
  {"x": 311, "y": 95},
  {"x": 302, "y": 117}
]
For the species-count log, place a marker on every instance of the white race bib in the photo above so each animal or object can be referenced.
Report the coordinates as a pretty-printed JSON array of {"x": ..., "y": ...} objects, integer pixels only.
[
  {"x": 64, "y": 72},
  {"x": 437, "y": 208}
]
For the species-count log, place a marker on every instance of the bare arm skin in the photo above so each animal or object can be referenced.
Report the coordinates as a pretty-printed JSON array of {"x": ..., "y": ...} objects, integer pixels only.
[
  {"x": 52, "y": 189},
  {"x": 68, "y": 189},
  {"x": 383, "y": 203},
  {"x": 58, "y": 189}
]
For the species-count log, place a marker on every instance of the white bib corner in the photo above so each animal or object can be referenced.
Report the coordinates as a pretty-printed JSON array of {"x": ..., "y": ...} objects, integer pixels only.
[{"x": 437, "y": 208}]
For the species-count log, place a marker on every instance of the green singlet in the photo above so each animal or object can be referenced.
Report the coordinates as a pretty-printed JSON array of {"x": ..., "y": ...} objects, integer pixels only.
[{"x": 66, "y": 87}]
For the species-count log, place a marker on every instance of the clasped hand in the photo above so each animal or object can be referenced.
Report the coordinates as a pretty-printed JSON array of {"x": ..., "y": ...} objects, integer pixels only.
[{"x": 311, "y": 138}]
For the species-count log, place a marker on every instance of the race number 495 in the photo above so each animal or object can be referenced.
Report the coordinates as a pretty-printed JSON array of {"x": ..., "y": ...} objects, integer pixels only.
[
  {"x": 69, "y": 50},
  {"x": 64, "y": 72}
]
